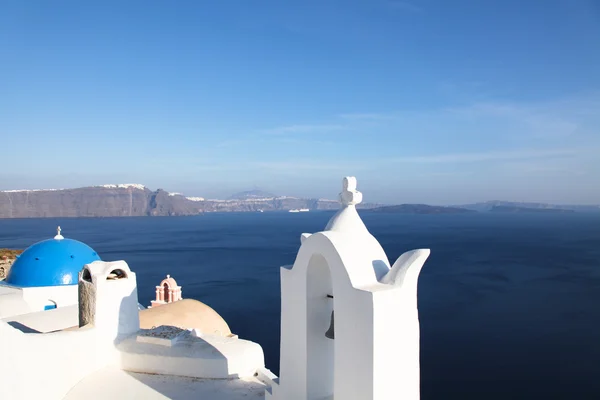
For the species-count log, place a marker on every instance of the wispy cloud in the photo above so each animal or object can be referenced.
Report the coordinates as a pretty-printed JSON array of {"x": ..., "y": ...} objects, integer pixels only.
[
  {"x": 548, "y": 126},
  {"x": 536, "y": 120},
  {"x": 521, "y": 122},
  {"x": 280, "y": 139},
  {"x": 488, "y": 156},
  {"x": 296, "y": 129},
  {"x": 536, "y": 168},
  {"x": 549, "y": 137},
  {"x": 307, "y": 165}
]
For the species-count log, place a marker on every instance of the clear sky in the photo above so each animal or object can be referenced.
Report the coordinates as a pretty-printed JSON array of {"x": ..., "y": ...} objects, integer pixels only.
[{"x": 442, "y": 102}]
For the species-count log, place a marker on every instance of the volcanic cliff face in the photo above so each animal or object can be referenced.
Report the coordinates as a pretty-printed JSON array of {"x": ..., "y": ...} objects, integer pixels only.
[
  {"x": 103, "y": 201},
  {"x": 132, "y": 200},
  {"x": 80, "y": 202}
]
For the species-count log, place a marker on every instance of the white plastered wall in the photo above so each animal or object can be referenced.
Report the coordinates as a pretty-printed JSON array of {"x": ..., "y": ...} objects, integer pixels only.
[{"x": 32, "y": 299}]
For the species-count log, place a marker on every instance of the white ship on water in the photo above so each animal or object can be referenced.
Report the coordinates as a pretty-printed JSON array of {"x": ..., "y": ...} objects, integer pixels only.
[{"x": 295, "y": 210}]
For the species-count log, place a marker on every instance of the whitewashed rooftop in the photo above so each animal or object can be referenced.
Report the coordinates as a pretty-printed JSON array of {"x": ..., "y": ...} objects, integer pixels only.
[{"x": 116, "y": 384}]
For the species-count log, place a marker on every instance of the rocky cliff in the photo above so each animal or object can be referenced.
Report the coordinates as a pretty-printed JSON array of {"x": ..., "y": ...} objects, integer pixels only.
[
  {"x": 7, "y": 258},
  {"x": 102, "y": 201},
  {"x": 130, "y": 200}
]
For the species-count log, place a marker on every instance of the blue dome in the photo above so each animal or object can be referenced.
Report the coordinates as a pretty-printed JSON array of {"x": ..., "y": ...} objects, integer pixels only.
[{"x": 52, "y": 262}]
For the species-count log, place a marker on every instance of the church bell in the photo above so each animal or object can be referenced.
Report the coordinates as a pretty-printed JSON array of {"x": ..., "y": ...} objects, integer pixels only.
[{"x": 330, "y": 334}]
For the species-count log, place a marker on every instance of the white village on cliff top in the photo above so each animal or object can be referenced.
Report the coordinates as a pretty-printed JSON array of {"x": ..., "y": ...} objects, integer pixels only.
[{"x": 71, "y": 327}]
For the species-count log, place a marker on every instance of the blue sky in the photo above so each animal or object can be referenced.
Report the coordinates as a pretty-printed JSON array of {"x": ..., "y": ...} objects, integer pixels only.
[{"x": 441, "y": 102}]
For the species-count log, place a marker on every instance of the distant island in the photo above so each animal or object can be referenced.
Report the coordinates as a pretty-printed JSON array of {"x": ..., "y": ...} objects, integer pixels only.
[
  {"x": 135, "y": 200},
  {"x": 515, "y": 209},
  {"x": 498, "y": 206},
  {"x": 420, "y": 209}
]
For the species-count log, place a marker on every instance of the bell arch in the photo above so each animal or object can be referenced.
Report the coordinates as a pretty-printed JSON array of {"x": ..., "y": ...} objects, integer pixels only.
[{"x": 320, "y": 308}]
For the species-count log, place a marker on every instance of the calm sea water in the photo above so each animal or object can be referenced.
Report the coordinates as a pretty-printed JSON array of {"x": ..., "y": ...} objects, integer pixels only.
[{"x": 509, "y": 304}]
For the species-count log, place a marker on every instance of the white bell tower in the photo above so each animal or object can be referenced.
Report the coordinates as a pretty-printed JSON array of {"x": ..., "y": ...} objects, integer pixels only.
[{"x": 372, "y": 350}]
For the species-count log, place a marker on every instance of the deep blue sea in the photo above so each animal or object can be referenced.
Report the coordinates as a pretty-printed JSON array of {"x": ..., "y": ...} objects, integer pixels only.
[{"x": 509, "y": 304}]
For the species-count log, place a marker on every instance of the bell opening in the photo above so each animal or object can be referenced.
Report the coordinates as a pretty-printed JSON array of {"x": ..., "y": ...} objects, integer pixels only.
[
  {"x": 320, "y": 349},
  {"x": 330, "y": 334}
]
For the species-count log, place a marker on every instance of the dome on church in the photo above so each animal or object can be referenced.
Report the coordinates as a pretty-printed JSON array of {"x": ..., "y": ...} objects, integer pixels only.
[{"x": 52, "y": 262}]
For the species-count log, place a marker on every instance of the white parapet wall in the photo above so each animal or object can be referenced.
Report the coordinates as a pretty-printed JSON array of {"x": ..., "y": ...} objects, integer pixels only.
[
  {"x": 18, "y": 301},
  {"x": 172, "y": 351}
]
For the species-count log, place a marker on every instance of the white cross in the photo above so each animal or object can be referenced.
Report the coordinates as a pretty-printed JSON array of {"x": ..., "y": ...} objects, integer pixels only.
[{"x": 350, "y": 196}]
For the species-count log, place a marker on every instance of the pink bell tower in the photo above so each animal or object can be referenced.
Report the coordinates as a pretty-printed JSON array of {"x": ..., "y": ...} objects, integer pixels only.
[{"x": 167, "y": 292}]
